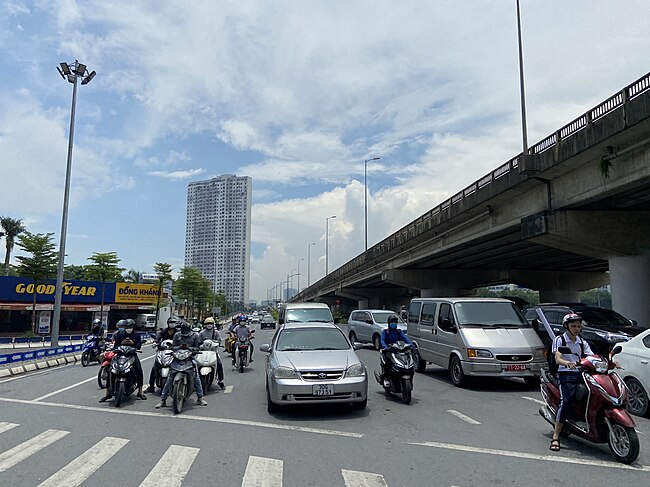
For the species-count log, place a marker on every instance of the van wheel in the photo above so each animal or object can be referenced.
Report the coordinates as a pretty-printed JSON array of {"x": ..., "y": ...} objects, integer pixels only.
[
  {"x": 420, "y": 365},
  {"x": 458, "y": 377},
  {"x": 376, "y": 342},
  {"x": 353, "y": 337}
]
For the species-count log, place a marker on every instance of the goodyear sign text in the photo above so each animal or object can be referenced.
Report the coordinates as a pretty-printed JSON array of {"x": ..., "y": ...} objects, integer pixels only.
[{"x": 18, "y": 289}]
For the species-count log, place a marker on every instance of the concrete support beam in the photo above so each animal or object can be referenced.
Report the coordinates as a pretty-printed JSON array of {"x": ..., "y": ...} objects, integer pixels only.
[{"x": 630, "y": 281}]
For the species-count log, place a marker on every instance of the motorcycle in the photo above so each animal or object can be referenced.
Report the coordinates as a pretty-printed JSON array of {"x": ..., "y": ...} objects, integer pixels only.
[
  {"x": 91, "y": 349},
  {"x": 242, "y": 353},
  {"x": 183, "y": 370},
  {"x": 598, "y": 413},
  {"x": 206, "y": 362},
  {"x": 164, "y": 358},
  {"x": 122, "y": 377},
  {"x": 105, "y": 367},
  {"x": 400, "y": 370}
]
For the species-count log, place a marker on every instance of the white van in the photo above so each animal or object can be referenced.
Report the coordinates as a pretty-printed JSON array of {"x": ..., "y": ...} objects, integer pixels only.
[
  {"x": 305, "y": 313},
  {"x": 475, "y": 337},
  {"x": 146, "y": 322}
]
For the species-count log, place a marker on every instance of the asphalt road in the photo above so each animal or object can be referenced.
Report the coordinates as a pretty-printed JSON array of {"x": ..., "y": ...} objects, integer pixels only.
[{"x": 54, "y": 432}]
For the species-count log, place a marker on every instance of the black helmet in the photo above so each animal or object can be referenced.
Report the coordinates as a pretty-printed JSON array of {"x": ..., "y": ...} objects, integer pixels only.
[
  {"x": 185, "y": 329},
  {"x": 392, "y": 319}
]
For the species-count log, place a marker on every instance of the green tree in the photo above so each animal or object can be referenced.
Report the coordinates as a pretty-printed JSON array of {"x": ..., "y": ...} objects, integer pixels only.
[
  {"x": 41, "y": 263},
  {"x": 191, "y": 286},
  {"x": 75, "y": 272},
  {"x": 11, "y": 228},
  {"x": 164, "y": 272},
  {"x": 131, "y": 276},
  {"x": 104, "y": 268}
]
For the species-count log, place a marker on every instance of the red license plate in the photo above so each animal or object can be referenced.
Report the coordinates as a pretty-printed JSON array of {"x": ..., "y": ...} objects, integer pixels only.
[{"x": 515, "y": 367}]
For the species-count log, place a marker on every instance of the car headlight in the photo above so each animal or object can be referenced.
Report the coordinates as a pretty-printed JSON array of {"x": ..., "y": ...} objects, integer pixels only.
[
  {"x": 285, "y": 373},
  {"x": 478, "y": 353},
  {"x": 539, "y": 353},
  {"x": 356, "y": 370}
]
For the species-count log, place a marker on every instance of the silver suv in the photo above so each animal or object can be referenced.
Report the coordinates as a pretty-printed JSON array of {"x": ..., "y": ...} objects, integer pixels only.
[{"x": 366, "y": 325}]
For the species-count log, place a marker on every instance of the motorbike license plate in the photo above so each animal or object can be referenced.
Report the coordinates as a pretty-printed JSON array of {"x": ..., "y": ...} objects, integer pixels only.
[
  {"x": 515, "y": 367},
  {"x": 323, "y": 390}
]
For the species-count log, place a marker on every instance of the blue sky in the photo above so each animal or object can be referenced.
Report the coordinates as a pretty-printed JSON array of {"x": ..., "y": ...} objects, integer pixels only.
[{"x": 295, "y": 94}]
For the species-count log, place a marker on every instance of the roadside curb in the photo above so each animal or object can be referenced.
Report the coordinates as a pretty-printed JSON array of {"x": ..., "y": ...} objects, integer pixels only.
[{"x": 31, "y": 365}]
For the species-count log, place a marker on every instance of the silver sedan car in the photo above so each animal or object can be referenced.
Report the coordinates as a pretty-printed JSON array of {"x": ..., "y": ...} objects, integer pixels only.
[{"x": 311, "y": 363}]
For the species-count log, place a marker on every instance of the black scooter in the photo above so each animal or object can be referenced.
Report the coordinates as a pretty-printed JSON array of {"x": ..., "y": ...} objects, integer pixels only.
[
  {"x": 398, "y": 361},
  {"x": 122, "y": 376}
]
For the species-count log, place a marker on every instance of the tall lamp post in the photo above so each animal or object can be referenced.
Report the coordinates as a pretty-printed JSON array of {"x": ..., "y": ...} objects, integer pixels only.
[
  {"x": 309, "y": 263},
  {"x": 365, "y": 195},
  {"x": 298, "y": 285},
  {"x": 327, "y": 238},
  {"x": 72, "y": 72},
  {"x": 524, "y": 131}
]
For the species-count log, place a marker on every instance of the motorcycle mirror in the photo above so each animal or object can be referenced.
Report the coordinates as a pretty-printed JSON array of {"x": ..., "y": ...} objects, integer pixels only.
[{"x": 616, "y": 349}]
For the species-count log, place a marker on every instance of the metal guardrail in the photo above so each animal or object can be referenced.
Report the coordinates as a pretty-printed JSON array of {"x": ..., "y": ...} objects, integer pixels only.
[{"x": 423, "y": 223}]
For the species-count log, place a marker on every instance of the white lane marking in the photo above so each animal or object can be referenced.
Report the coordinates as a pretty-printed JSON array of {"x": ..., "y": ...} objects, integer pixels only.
[
  {"x": 353, "y": 478},
  {"x": 82, "y": 467},
  {"x": 18, "y": 453},
  {"x": 262, "y": 472},
  {"x": 7, "y": 426},
  {"x": 228, "y": 390},
  {"x": 538, "y": 401},
  {"x": 531, "y": 456},
  {"x": 189, "y": 417},
  {"x": 172, "y": 468},
  {"x": 467, "y": 419},
  {"x": 76, "y": 385}
]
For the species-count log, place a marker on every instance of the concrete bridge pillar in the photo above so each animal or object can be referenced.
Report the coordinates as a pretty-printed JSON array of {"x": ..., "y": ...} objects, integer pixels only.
[
  {"x": 362, "y": 304},
  {"x": 630, "y": 282}
]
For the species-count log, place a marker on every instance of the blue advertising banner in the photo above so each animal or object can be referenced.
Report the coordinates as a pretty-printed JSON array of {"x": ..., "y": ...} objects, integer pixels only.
[
  {"x": 18, "y": 289},
  {"x": 34, "y": 354}
]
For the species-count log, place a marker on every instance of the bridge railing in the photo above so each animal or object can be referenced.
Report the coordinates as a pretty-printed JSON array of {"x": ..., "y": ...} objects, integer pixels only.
[{"x": 424, "y": 222}]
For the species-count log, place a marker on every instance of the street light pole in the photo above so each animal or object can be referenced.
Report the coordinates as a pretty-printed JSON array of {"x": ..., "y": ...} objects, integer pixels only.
[
  {"x": 298, "y": 285},
  {"x": 327, "y": 238},
  {"x": 309, "y": 263},
  {"x": 72, "y": 72},
  {"x": 365, "y": 195},
  {"x": 524, "y": 131}
]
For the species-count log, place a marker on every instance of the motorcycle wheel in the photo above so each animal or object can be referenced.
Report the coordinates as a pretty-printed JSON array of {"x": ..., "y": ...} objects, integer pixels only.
[
  {"x": 85, "y": 358},
  {"x": 406, "y": 392},
  {"x": 205, "y": 384},
  {"x": 102, "y": 377},
  {"x": 241, "y": 366},
  {"x": 119, "y": 394},
  {"x": 623, "y": 443},
  {"x": 178, "y": 397}
]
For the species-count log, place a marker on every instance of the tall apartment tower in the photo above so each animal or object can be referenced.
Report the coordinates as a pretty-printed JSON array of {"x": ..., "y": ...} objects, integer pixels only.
[{"x": 218, "y": 233}]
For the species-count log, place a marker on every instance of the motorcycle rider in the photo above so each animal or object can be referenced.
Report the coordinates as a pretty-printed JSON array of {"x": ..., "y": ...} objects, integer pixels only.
[
  {"x": 185, "y": 338},
  {"x": 240, "y": 331},
  {"x": 209, "y": 332},
  {"x": 392, "y": 334},
  {"x": 98, "y": 331},
  {"x": 173, "y": 325},
  {"x": 568, "y": 374},
  {"x": 129, "y": 336}
]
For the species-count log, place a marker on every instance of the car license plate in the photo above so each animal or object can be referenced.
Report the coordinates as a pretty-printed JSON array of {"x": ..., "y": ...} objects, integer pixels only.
[
  {"x": 515, "y": 367},
  {"x": 323, "y": 390}
]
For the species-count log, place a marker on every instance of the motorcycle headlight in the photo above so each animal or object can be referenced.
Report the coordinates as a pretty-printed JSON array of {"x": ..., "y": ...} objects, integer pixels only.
[
  {"x": 479, "y": 353},
  {"x": 539, "y": 353},
  {"x": 285, "y": 373},
  {"x": 356, "y": 370}
]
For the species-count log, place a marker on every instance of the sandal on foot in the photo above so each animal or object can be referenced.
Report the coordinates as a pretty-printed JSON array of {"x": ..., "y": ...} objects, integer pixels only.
[
  {"x": 142, "y": 397},
  {"x": 555, "y": 444},
  {"x": 104, "y": 399}
]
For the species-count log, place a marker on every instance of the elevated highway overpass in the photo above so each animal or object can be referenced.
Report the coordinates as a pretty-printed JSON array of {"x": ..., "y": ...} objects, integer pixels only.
[{"x": 573, "y": 213}]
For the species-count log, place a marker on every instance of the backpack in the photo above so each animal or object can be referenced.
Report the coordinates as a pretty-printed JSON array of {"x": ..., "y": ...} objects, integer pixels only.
[{"x": 553, "y": 366}]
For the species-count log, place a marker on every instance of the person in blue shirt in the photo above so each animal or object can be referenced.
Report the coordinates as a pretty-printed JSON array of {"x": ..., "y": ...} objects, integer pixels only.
[{"x": 390, "y": 335}]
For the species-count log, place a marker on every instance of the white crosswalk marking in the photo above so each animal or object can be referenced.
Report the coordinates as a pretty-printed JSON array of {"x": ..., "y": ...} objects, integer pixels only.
[
  {"x": 18, "y": 453},
  {"x": 6, "y": 426},
  {"x": 82, "y": 467},
  {"x": 262, "y": 472},
  {"x": 353, "y": 478},
  {"x": 172, "y": 468}
]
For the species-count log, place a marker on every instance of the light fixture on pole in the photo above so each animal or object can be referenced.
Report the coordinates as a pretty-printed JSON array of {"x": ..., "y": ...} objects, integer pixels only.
[
  {"x": 327, "y": 238},
  {"x": 71, "y": 72},
  {"x": 365, "y": 196},
  {"x": 524, "y": 131},
  {"x": 309, "y": 263}
]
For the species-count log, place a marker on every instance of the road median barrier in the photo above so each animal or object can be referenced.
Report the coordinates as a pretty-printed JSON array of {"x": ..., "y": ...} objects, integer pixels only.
[{"x": 16, "y": 363}]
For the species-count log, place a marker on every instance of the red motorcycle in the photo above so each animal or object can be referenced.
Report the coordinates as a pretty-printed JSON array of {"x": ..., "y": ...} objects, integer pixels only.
[
  {"x": 598, "y": 412},
  {"x": 105, "y": 368}
]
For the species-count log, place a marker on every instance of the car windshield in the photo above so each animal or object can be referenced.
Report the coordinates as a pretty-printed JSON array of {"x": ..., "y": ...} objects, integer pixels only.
[
  {"x": 309, "y": 315},
  {"x": 490, "y": 314},
  {"x": 305, "y": 339},
  {"x": 382, "y": 317},
  {"x": 603, "y": 318},
  {"x": 268, "y": 318}
]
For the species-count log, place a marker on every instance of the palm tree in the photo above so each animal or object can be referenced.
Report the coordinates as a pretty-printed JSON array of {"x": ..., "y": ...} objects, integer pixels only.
[{"x": 11, "y": 228}]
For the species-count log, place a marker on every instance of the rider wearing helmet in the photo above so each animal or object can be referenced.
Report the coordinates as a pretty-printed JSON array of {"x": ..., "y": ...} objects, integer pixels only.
[
  {"x": 167, "y": 333},
  {"x": 97, "y": 328},
  {"x": 392, "y": 334},
  {"x": 210, "y": 332},
  {"x": 568, "y": 374},
  {"x": 243, "y": 330},
  {"x": 129, "y": 336},
  {"x": 185, "y": 338}
]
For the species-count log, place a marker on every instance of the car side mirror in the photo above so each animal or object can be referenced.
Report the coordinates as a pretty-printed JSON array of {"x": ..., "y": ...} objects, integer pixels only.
[
  {"x": 447, "y": 325},
  {"x": 357, "y": 346},
  {"x": 369, "y": 322},
  {"x": 634, "y": 322},
  {"x": 266, "y": 348}
]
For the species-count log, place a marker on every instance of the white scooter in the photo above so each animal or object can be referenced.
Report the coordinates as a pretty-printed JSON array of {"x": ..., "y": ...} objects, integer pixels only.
[
  {"x": 164, "y": 357},
  {"x": 206, "y": 362}
]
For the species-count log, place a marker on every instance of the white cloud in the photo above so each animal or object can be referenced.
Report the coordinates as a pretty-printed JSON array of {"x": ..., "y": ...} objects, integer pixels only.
[{"x": 177, "y": 175}]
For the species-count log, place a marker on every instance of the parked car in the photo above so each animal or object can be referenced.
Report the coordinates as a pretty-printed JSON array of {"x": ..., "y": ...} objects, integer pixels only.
[
  {"x": 635, "y": 363},
  {"x": 475, "y": 337},
  {"x": 312, "y": 363},
  {"x": 366, "y": 325},
  {"x": 267, "y": 321},
  {"x": 602, "y": 327}
]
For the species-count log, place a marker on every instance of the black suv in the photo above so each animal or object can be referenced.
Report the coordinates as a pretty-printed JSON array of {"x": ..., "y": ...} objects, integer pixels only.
[{"x": 602, "y": 327}]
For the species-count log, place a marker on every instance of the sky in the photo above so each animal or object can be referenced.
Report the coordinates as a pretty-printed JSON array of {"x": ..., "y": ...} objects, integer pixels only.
[{"x": 295, "y": 94}]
